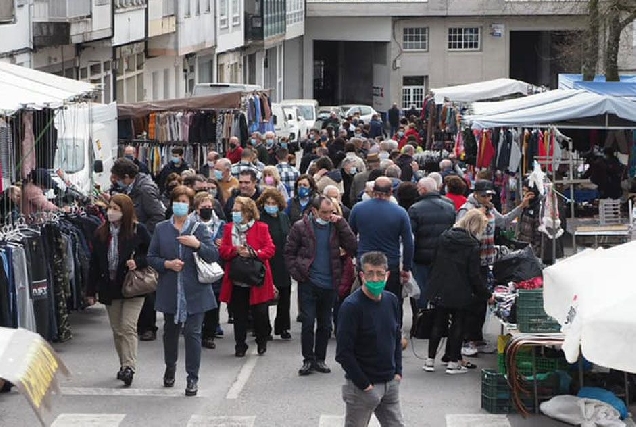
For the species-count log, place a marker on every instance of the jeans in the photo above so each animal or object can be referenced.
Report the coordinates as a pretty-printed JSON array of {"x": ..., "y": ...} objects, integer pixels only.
[
  {"x": 457, "y": 317},
  {"x": 316, "y": 304},
  {"x": 240, "y": 304},
  {"x": 383, "y": 400},
  {"x": 192, "y": 335},
  {"x": 283, "y": 320},
  {"x": 420, "y": 273},
  {"x": 148, "y": 316},
  {"x": 123, "y": 315}
]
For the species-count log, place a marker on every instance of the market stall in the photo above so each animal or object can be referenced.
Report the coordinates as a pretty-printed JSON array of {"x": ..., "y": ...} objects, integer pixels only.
[{"x": 492, "y": 89}]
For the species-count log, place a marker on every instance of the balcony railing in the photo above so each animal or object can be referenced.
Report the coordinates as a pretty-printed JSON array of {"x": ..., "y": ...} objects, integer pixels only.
[
  {"x": 168, "y": 8},
  {"x": 61, "y": 10}
]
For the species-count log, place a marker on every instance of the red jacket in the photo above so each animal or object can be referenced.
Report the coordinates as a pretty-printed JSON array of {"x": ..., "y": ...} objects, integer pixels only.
[
  {"x": 259, "y": 239},
  {"x": 410, "y": 131},
  {"x": 234, "y": 156}
]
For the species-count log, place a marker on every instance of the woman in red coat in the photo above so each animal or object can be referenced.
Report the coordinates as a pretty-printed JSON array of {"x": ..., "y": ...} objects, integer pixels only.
[{"x": 246, "y": 230}]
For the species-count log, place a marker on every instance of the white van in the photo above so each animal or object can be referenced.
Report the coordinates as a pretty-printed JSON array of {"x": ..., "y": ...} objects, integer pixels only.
[
  {"x": 80, "y": 145},
  {"x": 282, "y": 126},
  {"x": 307, "y": 109},
  {"x": 206, "y": 89}
]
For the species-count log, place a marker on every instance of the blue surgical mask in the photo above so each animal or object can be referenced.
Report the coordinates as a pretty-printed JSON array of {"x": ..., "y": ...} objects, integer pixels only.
[
  {"x": 129, "y": 157},
  {"x": 304, "y": 191},
  {"x": 400, "y": 134},
  {"x": 269, "y": 143},
  {"x": 218, "y": 174},
  {"x": 321, "y": 221},
  {"x": 176, "y": 159},
  {"x": 237, "y": 217},
  {"x": 253, "y": 141},
  {"x": 180, "y": 208},
  {"x": 121, "y": 184},
  {"x": 283, "y": 145},
  {"x": 323, "y": 138},
  {"x": 353, "y": 170},
  {"x": 272, "y": 210}
]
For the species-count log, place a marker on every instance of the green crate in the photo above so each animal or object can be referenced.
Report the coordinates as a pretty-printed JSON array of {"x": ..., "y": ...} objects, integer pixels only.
[
  {"x": 495, "y": 394},
  {"x": 543, "y": 364},
  {"x": 531, "y": 317}
]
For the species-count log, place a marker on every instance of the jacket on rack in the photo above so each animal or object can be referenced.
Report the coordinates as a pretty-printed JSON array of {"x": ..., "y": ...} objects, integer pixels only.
[
  {"x": 147, "y": 201},
  {"x": 99, "y": 277}
]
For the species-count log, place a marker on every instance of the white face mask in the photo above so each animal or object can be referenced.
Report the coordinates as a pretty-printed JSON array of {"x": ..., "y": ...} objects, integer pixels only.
[
  {"x": 211, "y": 163},
  {"x": 365, "y": 197}
]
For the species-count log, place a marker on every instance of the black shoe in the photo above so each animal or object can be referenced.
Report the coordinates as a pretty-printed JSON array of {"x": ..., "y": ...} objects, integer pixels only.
[
  {"x": 321, "y": 367},
  {"x": 192, "y": 388},
  {"x": 270, "y": 337},
  {"x": 208, "y": 343},
  {"x": 168, "y": 376},
  {"x": 230, "y": 320},
  {"x": 127, "y": 376},
  {"x": 6, "y": 386},
  {"x": 262, "y": 348},
  {"x": 121, "y": 371},
  {"x": 307, "y": 369},
  {"x": 148, "y": 336},
  {"x": 285, "y": 335},
  {"x": 299, "y": 319},
  {"x": 240, "y": 351}
]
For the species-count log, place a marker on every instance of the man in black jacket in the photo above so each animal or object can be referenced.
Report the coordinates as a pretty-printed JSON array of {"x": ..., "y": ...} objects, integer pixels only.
[
  {"x": 176, "y": 164},
  {"x": 129, "y": 153},
  {"x": 430, "y": 217},
  {"x": 394, "y": 119}
]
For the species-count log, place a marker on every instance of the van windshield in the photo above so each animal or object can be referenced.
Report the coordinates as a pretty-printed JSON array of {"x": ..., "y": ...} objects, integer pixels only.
[
  {"x": 307, "y": 111},
  {"x": 70, "y": 155}
]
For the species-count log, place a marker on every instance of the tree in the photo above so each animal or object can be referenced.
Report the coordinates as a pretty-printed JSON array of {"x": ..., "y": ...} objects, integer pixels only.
[{"x": 619, "y": 14}]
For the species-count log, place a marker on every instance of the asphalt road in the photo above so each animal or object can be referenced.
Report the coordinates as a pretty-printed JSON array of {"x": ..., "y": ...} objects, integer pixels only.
[{"x": 251, "y": 392}]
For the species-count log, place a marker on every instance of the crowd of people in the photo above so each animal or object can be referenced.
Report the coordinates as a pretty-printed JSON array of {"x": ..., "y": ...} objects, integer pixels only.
[{"x": 359, "y": 218}]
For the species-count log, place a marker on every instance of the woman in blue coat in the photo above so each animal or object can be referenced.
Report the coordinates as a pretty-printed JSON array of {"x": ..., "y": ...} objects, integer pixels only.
[{"x": 180, "y": 296}]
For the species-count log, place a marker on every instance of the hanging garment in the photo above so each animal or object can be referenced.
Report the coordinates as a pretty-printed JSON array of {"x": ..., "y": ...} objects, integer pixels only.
[
  {"x": 486, "y": 151},
  {"x": 28, "y": 145},
  {"x": 26, "y": 312}
]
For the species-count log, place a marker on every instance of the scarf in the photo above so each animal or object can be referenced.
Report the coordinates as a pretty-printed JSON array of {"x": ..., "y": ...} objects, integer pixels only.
[
  {"x": 113, "y": 251},
  {"x": 239, "y": 238}
]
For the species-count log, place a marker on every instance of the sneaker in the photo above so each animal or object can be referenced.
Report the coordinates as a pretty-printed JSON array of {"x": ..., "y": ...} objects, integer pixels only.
[
  {"x": 429, "y": 365},
  {"x": 285, "y": 335},
  {"x": 455, "y": 368},
  {"x": 192, "y": 387},
  {"x": 486, "y": 348},
  {"x": 469, "y": 350},
  {"x": 208, "y": 343}
]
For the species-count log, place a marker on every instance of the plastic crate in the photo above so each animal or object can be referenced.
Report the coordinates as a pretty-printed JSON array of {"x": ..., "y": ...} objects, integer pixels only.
[
  {"x": 531, "y": 317},
  {"x": 524, "y": 364},
  {"x": 495, "y": 394}
]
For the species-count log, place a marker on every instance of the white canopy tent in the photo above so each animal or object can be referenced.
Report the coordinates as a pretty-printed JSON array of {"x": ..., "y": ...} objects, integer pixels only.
[
  {"x": 480, "y": 91},
  {"x": 499, "y": 107},
  {"x": 593, "y": 296},
  {"x": 581, "y": 109},
  {"x": 26, "y": 88}
]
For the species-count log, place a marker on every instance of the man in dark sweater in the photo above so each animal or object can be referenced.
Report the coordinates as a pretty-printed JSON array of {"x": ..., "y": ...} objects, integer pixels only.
[{"x": 369, "y": 348}]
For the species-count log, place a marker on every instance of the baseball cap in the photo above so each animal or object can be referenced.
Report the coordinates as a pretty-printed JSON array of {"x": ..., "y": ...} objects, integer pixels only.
[{"x": 484, "y": 187}]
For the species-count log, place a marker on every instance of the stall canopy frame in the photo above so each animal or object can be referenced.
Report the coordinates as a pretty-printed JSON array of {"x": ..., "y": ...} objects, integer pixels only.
[{"x": 480, "y": 91}]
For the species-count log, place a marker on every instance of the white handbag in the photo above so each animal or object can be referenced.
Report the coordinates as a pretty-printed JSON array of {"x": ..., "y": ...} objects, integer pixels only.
[{"x": 207, "y": 272}]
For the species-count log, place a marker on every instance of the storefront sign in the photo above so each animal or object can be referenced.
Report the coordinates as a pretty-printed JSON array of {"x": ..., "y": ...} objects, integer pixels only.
[
  {"x": 31, "y": 365},
  {"x": 497, "y": 30}
]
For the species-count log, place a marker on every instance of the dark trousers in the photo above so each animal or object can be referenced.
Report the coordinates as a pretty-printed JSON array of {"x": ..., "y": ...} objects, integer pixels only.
[
  {"x": 192, "y": 335},
  {"x": 476, "y": 316},
  {"x": 241, "y": 308},
  {"x": 148, "y": 316},
  {"x": 394, "y": 285},
  {"x": 316, "y": 304},
  {"x": 211, "y": 319},
  {"x": 283, "y": 319},
  {"x": 457, "y": 318}
]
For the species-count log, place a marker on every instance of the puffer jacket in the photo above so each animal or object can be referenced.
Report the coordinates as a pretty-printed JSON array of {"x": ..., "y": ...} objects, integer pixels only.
[
  {"x": 430, "y": 217},
  {"x": 455, "y": 279},
  {"x": 300, "y": 248},
  {"x": 147, "y": 201}
]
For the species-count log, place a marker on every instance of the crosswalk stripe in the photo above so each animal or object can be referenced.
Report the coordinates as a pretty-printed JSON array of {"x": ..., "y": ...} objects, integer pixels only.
[
  {"x": 127, "y": 392},
  {"x": 88, "y": 420},
  {"x": 338, "y": 421},
  {"x": 476, "y": 420},
  {"x": 203, "y": 421}
]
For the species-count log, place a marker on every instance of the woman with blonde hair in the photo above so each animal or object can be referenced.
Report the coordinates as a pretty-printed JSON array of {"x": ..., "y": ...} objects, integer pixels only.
[
  {"x": 271, "y": 179},
  {"x": 455, "y": 284}
]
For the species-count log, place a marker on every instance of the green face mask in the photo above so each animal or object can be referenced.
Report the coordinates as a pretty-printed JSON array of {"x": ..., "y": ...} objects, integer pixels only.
[{"x": 376, "y": 288}]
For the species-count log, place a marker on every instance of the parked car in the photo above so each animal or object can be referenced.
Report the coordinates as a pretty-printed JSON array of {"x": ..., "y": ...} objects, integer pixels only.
[
  {"x": 282, "y": 127},
  {"x": 366, "y": 111},
  {"x": 298, "y": 125},
  {"x": 307, "y": 109},
  {"x": 324, "y": 112}
]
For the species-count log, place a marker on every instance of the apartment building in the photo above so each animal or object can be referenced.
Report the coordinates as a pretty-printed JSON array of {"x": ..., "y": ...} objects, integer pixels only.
[{"x": 384, "y": 51}]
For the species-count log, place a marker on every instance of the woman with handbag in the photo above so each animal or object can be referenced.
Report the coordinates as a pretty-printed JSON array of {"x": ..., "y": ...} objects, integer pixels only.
[
  {"x": 272, "y": 204},
  {"x": 247, "y": 285},
  {"x": 455, "y": 284},
  {"x": 181, "y": 297},
  {"x": 120, "y": 246},
  {"x": 204, "y": 213}
]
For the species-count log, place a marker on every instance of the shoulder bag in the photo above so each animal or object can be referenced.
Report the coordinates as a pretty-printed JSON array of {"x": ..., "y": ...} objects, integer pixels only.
[
  {"x": 207, "y": 272},
  {"x": 139, "y": 281},
  {"x": 248, "y": 270}
]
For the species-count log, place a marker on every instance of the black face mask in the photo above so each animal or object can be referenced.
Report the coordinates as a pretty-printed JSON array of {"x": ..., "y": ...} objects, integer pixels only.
[
  {"x": 232, "y": 146},
  {"x": 205, "y": 214}
]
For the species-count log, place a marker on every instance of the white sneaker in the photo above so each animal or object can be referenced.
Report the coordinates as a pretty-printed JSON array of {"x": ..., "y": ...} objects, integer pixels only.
[
  {"x": 429, "y": 365},
  {"x": 469, "y": 350},
  {"x": 486, "y": 348},
  {"x": 455, "y": 368}
]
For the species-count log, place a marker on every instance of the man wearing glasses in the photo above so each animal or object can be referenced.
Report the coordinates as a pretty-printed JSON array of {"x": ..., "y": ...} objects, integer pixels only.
[{"x": 482, "y": 198}]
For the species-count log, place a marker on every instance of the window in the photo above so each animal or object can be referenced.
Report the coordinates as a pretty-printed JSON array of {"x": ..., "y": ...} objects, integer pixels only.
[
  {"x": 197, "y": 10},
  {"x": 463, "y": 38},
  {"x": 208, "y": 6},
  {"x": 295, "y": 11},
  {"x": 187, "y": 11},
  {"x": 415, "y": 38},
  {"x": 236, "y": 12},
  {"x": 413, "y": 89},
  {"x": 223, "y": 13}
]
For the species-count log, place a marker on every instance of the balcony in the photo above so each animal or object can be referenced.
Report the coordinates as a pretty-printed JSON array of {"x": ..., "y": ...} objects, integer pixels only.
[
  {"x": 61, "y": 10},
  {"x": 267, "y": 27},
  {"x": 161, "y": 17}
]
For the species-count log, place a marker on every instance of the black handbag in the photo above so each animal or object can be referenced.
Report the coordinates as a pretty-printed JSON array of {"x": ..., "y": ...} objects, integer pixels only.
[
  {"x": 423, "y": 325},
  {"x": 248, "y": 270}
]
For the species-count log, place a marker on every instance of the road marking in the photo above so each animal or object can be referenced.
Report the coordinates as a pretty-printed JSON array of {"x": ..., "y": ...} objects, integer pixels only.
[
  {"x": 203, "y": 421},
  {"x": 88, "y": 420},
  {"x": 476, "y": 420},
  {"x": 128, "y": 392},
  {"x": 338, "y": 421},
  {"x": 243, "y": 376}
]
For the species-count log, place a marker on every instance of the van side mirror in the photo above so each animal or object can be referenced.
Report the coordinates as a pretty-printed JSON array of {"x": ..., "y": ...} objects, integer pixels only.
[
  {"x": 98, "y": 166},
  {"x": 275, "y": 120},
  {"x": 289, "y": 117}
]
